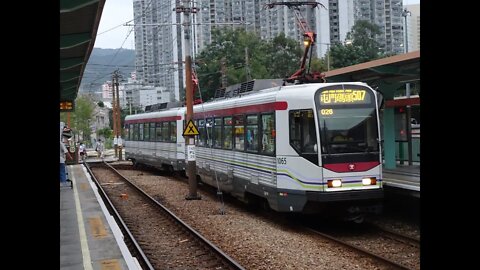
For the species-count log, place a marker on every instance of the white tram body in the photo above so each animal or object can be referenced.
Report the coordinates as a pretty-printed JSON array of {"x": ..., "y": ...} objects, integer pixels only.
[
  {"x": 167, "y": 149},
  {"x": 278, "y": 144}
]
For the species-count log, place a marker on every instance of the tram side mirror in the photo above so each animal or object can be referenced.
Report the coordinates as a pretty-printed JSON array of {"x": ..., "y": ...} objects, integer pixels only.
[{"x": 315, "y": 148}]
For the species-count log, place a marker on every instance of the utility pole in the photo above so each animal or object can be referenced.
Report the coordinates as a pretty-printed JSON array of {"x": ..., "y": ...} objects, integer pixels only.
[
  {"x": 118, "y": 134},
  {"x": 130, "y": 104},
  {"x": 405, "y": 14},
  {"x": 116, "y": 116},
  {"x": 114, "y": 110},
  {"x": 328, "y": 58},
  {"x": 186, "y": 9},
  {"x": 223, "y": 71},
  {"x": 247, "y": 65}
]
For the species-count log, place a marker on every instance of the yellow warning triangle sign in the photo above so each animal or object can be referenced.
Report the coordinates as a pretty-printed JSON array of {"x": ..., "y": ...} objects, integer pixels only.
[{"x": 190, "y": 129}]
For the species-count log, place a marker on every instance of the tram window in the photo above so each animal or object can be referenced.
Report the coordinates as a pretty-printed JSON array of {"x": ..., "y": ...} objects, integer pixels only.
[
  {"x": 252, "y": 133},
  {"x": 195, "y": 122},
  {"x": 351, "y": 130},
  {"x": 202, "y": 137},
  {"x": 268, "y": 134},
  {"x": 159, "y": 132},
  {"x": 227, "y": 132},
  {"x": 303, "y": 135},
  {"x": 209, "y": 129},
  {"x": 197, "y": 137},
  {"x": 239, "y": 131},
  {"x": 152, "y": 132},
  {"x": 217, "y": 133},
  {"x": 146, "y": 132},
  {"x": 140, "y": 132},
  {"x": 130, "y": 132},
  {"x": 135, "y": 132},
  {"x": 165, "y": 132},
  {"x": 173, "y": 131}
]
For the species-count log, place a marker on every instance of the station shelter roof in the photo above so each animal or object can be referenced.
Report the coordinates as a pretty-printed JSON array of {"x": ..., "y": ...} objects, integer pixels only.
[
  {"x": 386, "y": 74},
  {"x": 79, "y": 21}
]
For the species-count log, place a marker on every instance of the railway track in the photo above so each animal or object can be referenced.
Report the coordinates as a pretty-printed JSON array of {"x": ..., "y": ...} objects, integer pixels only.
[
  {"x": 406, "y": 239},
  {"x": 389, "y": 247},
  {"x": 156, "y": 235}
]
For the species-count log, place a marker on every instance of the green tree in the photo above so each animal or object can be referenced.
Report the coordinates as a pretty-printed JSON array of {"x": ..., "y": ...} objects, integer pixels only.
[
  {"x": 266, "y": 59},
  {"x": 343, "y": 56},
  {"x": 106, "y": 133},
  {"x": 284, "y": 56},
  {"x": 228, "y": 47},
  {"x": 80, "y": 118},
  {"x": 318, "y": 65},
  {"x": 363, "y": 47}
]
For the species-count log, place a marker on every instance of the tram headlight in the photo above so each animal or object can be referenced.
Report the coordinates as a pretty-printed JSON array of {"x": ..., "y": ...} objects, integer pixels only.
[
  {"x": 367, "y": 181},
  {"x": 334, "y": 183}
]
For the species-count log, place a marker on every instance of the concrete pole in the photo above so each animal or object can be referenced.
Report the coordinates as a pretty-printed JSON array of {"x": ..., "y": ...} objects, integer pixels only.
[
  {"x": 189, "y": 139},
  {"x": 118, "y": 134},
  {"x": 247, "y": 65},
  {"x": 130, "y": 104},
  {"x": 114, "y": 110},
  {"x": 406, "y": 13},
  {"x": 328, "y": 58}
]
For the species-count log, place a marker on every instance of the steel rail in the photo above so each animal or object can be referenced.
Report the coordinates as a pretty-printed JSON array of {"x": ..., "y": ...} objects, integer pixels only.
[
  {"x": 143, "y": 260},
  {"x": 232, "y": 263},
  {"x": 364, "y": 251}
]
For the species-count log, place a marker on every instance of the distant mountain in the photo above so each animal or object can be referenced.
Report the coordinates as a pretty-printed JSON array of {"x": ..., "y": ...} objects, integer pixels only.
[{"x": 102, "y": 64}]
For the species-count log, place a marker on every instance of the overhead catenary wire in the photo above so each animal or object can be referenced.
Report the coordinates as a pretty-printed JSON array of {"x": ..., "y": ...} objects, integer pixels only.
[{"x": 145, "y": 12}]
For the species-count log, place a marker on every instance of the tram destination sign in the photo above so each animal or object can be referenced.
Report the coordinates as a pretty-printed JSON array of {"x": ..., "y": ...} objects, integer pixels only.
[{"x": 344, "y": 96}]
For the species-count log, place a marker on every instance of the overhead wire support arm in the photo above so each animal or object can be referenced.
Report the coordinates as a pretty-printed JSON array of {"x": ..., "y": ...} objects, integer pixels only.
[{"x": 309, "y": 40}]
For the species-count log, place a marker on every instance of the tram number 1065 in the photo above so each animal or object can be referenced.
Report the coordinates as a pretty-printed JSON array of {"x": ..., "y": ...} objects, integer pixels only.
[{"x": 282, "y": 160}]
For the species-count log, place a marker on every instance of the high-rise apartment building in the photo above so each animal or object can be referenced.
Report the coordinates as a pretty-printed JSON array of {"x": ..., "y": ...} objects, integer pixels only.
[
  {"x": 159, "y": 34},
  {"x": 158, "y": 44},
  {"x": 387, "y": 14},
  {"x": 413, "y": 27},
  {"x": 341, "y": 19},
  {"x": 213, "y": 14}
]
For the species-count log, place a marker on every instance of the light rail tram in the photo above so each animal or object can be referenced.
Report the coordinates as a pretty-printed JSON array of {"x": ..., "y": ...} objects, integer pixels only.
[{"x": 305, "y": 148}]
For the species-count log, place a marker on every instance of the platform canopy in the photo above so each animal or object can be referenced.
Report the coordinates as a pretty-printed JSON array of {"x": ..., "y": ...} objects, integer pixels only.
[
  {"x": 79, "y": 21},
  {"x": 387, "y": 73}
]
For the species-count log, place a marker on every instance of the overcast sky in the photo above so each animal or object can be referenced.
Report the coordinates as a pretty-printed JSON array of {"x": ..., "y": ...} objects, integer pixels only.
[{"x": 112, "y": 34}]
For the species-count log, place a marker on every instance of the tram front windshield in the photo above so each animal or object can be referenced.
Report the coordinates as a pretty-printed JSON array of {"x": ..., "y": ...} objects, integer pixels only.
[{"x": 348, "y": 121}]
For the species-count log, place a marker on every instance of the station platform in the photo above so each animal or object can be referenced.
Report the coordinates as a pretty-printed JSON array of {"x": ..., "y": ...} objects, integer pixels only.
[
  {"x": 89, "y": 236},
  {"x": 404, "y": 179}
]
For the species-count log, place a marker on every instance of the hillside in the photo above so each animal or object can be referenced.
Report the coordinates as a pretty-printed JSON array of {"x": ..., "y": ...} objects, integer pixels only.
[{"x": 101, "y": 65}]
